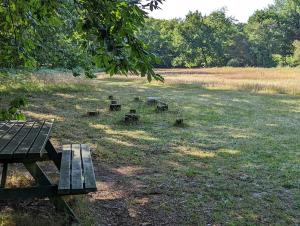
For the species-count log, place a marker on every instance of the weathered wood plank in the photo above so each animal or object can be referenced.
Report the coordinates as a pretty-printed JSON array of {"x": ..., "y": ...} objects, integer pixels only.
[
  {"x": 41, "y": 139},
  {"x": 53, "y": 154},
  {"x": 28, "y": 193},
  {"x": 2, "y": 124},
  {"x": 65, "y": 171},
  {"x": 5, "y": 128},
  {"x": 32, "y": 159},
  {"x": 4, "y": 175},
  {"x": 88, "y": 169},
  {"x": 76, "y": 178},
  {"x": 5, "y": 139},
  {"x": 28, "y": 141},
  {"x": 14, "y": 143}
]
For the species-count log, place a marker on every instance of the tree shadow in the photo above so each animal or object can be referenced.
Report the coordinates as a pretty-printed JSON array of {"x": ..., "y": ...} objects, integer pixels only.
[{"x": 154, "y": 173}]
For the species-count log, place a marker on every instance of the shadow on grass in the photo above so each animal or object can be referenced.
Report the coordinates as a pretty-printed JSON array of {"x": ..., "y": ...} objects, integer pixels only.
[{"x": 235, "y": 158}]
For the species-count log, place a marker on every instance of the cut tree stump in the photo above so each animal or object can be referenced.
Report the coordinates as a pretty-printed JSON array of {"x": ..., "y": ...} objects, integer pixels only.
[
  {"x": 162, "y": 107},
  {"x": 93, "y": 113},
  {"x": 152, "y": 100},
  {"x": 132, "y": 111},
  {"x": 130, "y": 118},
  {"x": 115, "y": 107},
  {"x": 179, "y": 122}
]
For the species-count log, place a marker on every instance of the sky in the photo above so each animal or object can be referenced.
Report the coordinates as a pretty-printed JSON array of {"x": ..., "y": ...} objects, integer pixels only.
[{"x": 239, "y": 9}]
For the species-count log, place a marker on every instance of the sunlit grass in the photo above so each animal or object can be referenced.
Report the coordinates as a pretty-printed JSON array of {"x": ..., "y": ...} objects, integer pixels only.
[{"x": 236, "y": 162}]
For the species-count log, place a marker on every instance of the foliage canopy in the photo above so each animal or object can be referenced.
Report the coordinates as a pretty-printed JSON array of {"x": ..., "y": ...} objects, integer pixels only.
[{"x": 76, "y": 33}]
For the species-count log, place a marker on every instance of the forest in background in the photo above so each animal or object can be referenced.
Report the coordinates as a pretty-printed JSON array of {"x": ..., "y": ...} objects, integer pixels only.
[
  {"x": 270, "y": 38},
  {"x": 117, "y": 37}
]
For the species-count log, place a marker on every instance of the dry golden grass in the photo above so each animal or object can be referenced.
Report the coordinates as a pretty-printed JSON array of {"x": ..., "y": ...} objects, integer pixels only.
[
  {"x": 261, "y": 80},
  {"x": 275, "y": 80}
]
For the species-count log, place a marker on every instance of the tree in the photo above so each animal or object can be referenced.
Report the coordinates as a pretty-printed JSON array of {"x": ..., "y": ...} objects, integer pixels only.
[
  {"x": 223, "y": 32},
  {"x": 296, "y": 57},
  {"x": 240, "y": 49},
  {"x": 160, "y": 36},
  {"x": 103, "y": 32},
  {"x": 195, "y": 42}
]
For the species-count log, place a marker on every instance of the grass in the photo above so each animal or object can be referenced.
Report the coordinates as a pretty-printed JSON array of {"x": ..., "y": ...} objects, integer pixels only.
[
  {"x": 235, "y": 162},
  {"x": 274, "y": 80}
]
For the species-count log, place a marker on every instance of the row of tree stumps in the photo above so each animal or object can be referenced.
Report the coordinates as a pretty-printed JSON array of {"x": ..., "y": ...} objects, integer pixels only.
[{"x": 132, "y": 116}]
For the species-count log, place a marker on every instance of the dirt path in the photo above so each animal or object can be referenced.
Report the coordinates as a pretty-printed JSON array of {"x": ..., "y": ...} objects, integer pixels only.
[{"x": 125, "y": 200}]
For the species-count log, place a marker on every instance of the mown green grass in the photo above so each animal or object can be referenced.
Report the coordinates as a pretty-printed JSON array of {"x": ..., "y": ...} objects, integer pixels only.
[{"x": 236, "y": 162}]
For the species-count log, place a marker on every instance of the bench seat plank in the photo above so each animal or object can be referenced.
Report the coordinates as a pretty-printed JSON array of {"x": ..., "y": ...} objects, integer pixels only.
[
  {"x": 77, "y": 178},
  {"x": 77, "y": 172},
  {"x": 88, "y": 169},
  {"x": 65, "y": 170}
]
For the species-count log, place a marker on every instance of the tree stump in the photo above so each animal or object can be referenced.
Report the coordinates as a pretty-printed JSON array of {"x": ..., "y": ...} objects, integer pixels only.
[
  {"x": 152, "y": 100},
  {"x": 113, "y": 102},
  {"x": 93, "y": 113},
  {"x": 179, "y": 122},
  {"x": 132, "y": 111},
  {"x": 130, "y": 118},
  {"x": 162, "y": 107},
  {"x": 115, "y": 107}
]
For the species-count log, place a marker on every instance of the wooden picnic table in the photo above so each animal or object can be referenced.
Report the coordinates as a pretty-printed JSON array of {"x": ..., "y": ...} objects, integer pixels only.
[{"x": 28, "y": 143}]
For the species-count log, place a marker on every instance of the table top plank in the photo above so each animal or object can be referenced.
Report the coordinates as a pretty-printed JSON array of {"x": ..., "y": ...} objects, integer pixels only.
[
  {"x": 65, "y": 170},
  {"x": 77, "y": 177},
  {"x": 5, "y": 128},
  {"x": 40, "y": 141},
  {"x": 10, "y": 134},
  {"x": 88, "y": 169},
  {"x": 24, "y": 147},
  {"x": 14, "y": 143},
  {"x": 2, "y": 124}
]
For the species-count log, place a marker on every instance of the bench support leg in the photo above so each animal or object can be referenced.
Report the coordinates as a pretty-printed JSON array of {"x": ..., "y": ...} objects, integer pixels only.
[
  {"x": 41, "y": 178},
  {"x": 4, "y": 175},
  {"x": 61, "y": 205},
  {"x": 53, "y": 154}
]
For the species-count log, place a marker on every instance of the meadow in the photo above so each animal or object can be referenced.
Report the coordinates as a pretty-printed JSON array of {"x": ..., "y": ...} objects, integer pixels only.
[{"x": 235, "y": 162}]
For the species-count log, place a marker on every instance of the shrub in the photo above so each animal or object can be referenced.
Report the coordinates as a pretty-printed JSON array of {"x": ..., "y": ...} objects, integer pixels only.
[
  {"x": 89, "y": 74},
  {"x": 234, "y": 63},
  {"x": 13, "y": 112},
  {"x": 76, "y": 72}
]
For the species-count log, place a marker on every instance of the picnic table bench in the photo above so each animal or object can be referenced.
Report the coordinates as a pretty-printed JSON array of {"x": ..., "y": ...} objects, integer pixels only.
[{"x": 28, "y": 143}]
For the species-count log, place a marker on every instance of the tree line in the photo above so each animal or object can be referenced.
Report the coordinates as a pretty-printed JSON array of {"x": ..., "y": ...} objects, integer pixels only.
[
  {"x": 271, "y": 37},
  {"x": 117, "y": 37}
]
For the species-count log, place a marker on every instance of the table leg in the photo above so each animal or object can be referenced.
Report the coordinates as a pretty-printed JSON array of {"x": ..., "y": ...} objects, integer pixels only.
[
  {"x": 41, "y": 178},
  {"x": 4, "y": 175},
  {"x": 53, "y": 154}
]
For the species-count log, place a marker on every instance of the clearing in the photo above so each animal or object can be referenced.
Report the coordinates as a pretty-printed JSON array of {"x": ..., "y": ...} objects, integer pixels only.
[{"x": 235, "y": 162}]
